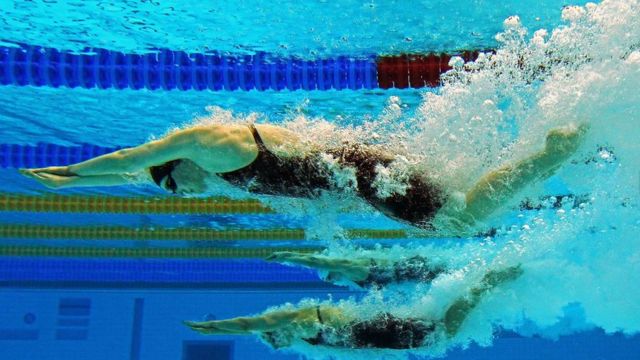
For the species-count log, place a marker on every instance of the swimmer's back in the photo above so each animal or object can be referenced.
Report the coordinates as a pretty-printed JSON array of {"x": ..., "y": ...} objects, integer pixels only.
[{"x": 228, "y": 147}]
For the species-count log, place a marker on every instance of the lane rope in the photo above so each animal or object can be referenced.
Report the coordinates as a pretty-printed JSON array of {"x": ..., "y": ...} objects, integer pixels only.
[
  {"x": 21, "y": 231},
  {"x": 31, "y": 65},
  {"x": 130, "y": 205},
  {"x": 93, "y": 252}
]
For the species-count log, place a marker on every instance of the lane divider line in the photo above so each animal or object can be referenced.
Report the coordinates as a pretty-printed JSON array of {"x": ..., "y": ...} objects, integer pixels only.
[
  {"x": 21, "y": 231},
  {"x": 199, "y": 253},
  {"x": 164, "y": 69},
  {"x": 130, "y": 205}
]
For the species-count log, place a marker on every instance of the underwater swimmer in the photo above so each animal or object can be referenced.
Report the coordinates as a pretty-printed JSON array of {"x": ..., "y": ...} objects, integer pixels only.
[
  {"x": 364, "y": 272},
  {"x": 270, "y": 160},
  {"x": 333, "y": 327}
]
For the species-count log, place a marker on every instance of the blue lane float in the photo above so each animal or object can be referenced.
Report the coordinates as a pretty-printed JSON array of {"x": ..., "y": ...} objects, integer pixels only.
[
  {"x": 44, "y": 154},
  {"x": 28, "y": 65},
  {"x": 150, "y": 271}
]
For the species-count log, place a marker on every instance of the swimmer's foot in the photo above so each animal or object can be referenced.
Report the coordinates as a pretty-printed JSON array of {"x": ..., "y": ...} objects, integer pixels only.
[{"x": 564, "y": 141}]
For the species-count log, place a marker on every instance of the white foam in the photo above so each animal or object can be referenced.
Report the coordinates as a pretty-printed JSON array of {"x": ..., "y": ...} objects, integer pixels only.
[{"x": 580, "y": 263}]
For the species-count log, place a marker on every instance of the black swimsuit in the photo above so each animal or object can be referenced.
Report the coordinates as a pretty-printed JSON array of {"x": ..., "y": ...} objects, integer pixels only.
[
  {"x": 306, "y": 176},
  {"x": 384, "y": 331},
  {"x": 272, "y": 175}
]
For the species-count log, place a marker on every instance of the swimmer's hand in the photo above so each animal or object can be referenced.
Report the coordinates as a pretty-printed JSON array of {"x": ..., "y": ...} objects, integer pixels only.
[
  {"x": 53, "y": 177},
  {"x": 297, "y": 258},
  {"x": 204, "y": 327},
  {"x": 237, "y": 326},
  {"x": 564, "y": 141},
  {"x": 53, "y": 170}
]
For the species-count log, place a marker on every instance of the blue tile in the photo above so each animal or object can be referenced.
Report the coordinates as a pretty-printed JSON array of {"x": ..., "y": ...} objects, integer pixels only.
[
  {"x": 72, "y": 334},
  {"x": 18, "y": 334},
  {"x": 207, "y": 350},
  {"x": 82, "y": 322},
  {"x": 74, "y": 307}
]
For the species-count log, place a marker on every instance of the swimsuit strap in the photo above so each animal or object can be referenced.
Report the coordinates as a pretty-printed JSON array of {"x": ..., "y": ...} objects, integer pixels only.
[
  {"x": 319, "y": 338},
  {"x": 319, "y": 315},
  {"x": 257, "y": 138}
]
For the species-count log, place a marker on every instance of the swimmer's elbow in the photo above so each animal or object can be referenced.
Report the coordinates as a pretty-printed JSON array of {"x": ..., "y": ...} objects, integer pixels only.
[{"x": 125, "y": 160}]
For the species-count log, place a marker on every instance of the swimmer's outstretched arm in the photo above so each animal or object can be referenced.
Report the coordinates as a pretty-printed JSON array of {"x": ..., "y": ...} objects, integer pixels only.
[
  {"x": 217, "y": 148},
  {"x": 110, "y": 169},
  {"x": 355, "y": 268},
  {"x": 460, "y": 309},
  {"x": 60, "y": 181},
  {"x": 245, "y": 325},
  {"x": 213, "y": 148},
  {"x": 267, "y": 322},
  {"x": 497, "y": 187}
]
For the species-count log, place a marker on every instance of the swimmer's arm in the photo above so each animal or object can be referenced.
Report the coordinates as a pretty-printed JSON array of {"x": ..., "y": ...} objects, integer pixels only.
[
  {"x": 460, "y": 309},
  {"x": 319, "y": 262},
  {"x": 58, "y": 182},
  {"x": 178, "y": 145},
  {"x": 245, "y": 325},
  {"x": 182, "y": 144},
  {"x": 497, "y": 187}
]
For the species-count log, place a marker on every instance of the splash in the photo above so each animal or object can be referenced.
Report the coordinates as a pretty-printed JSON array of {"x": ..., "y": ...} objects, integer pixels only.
[
  {"x": 580, "y": 254},
  {"x": 579, "y": 257}
]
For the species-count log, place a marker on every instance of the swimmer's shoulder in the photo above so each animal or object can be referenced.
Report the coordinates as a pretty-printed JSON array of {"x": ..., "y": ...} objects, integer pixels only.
[
  {"x": 282, "y": 141},
  {"x": 220, "y": 135}
]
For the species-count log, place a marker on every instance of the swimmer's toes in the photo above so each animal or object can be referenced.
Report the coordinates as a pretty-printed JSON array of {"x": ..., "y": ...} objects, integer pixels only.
[
  {"x": 565, "y": 140},
  {"x": 583, "y": 128},
  {"x": 514, "y": 272},
  {"x": 497, "y": 277}
]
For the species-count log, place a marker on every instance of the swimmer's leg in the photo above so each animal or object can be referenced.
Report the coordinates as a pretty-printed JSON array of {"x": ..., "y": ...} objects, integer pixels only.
[
  {"x": 353, "y": 269},
  {"x": 460, "y": 309},
  {"x": 499, "y": 186}
]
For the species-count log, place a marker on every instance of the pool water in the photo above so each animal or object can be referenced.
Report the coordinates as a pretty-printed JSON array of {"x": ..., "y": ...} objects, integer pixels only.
[{"x": 88, "y": 275}]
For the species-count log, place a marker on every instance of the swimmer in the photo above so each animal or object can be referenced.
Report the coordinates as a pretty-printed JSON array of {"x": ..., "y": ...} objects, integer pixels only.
[
  {"x": 270, "y": 160},
  {"x": 364, "y": 272},
  {"x": 332, "y": 327}
]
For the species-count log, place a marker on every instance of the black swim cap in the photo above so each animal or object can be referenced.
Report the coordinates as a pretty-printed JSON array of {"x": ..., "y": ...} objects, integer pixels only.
[{"x": 165, "y": 170}]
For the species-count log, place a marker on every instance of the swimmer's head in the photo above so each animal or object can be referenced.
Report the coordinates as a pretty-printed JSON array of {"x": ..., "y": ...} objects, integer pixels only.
[
  {"x": 180, "y": 176},
  {"x": 334, "y": 277},
  {"x": 277, "y": 340},
  {"x": 162, "y": 175}
]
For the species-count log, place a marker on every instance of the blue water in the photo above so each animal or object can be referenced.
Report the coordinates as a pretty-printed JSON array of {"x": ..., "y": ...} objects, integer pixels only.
[{"x": 577, "y": 300}]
